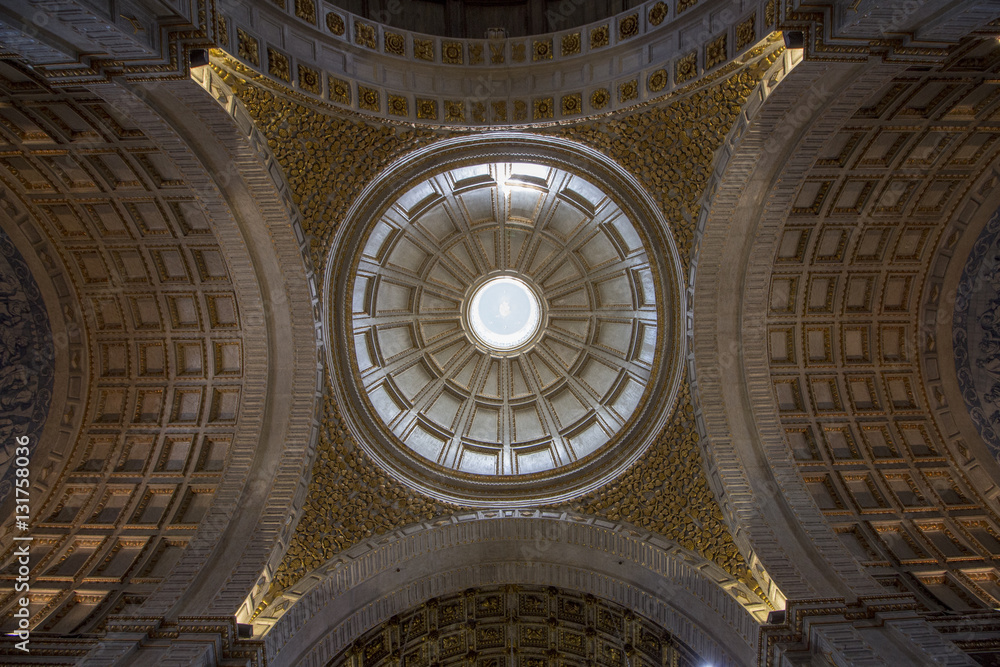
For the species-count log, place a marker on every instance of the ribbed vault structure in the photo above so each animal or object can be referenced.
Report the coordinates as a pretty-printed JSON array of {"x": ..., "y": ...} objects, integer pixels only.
[{"x": 562, "y": 394}]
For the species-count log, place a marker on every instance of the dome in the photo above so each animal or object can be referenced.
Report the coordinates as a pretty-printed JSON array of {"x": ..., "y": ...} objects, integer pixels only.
[{"x": 507, "y": 325}]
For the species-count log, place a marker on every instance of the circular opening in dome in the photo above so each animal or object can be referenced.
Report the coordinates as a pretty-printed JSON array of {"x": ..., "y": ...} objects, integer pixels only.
[{"x": 504, "y": 313}]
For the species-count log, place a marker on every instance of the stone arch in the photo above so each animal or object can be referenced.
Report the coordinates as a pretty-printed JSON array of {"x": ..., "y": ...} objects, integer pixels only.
[{"x": 684, "y": 593}]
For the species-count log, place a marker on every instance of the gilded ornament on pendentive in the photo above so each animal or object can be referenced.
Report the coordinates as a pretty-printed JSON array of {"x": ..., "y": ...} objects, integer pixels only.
[
  {"x": 542, "y": 49},
  {"x": 306, "y": 10},
  {"x": 394, "y": 43},
  {"x": 628, "y": 91},
  {"x": 222, "y": 30},
  {"x": 246, "y": 48},
  {"x": 499, "y": 111},
  {"x": 454, "y": 111},
  {"x": 520, "y": 110},
  {"x": 745, "y": 33},
  {"x": 397, "y": 105},
  {"x": 687, "y": 67},
  {"x": 479, "y": 112},
  {"x": 628, "y": 27},
  {"x": 364, "y": 34},
  {"x": 368, "y": 98},
  {"x": 543, "y": 108},
  {"x": 277, "y": 65},
  {"x": 335, "y": 23},
  {"x": 423, "y": 49},
  {"x": 600, "y": 36},
  {"x": 451, "y": 53},
  {"x": 497, "y": 53},
  {"x": 427, "y": 109},
  {"x": 309, "y": 80},
  {"x": 572, "y": 104},
  {"x": 657, "y": 81},
  {"x": 475, "y": 54},
  {"x": 570, "y": 44},
  {"x": 340, "y": 90},
  {"x": 600, "y": 98},
  {"x": 657, "y": 13},
  {"x": 715, "y": 52}
]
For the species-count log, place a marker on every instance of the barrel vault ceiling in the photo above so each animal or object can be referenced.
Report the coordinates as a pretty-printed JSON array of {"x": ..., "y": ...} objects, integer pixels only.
[{"x": 171, "y": 214}]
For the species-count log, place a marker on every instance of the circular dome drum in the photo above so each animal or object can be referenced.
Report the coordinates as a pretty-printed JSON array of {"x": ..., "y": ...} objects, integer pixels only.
[{"x": 502, "y": 330}]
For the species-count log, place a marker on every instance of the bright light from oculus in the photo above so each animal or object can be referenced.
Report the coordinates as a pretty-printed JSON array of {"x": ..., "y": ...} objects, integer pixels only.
[{"x": 504, "y": 313}]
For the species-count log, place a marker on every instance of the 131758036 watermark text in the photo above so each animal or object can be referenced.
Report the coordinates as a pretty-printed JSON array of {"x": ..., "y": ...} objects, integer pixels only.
[{"x": 22, "y": 540}]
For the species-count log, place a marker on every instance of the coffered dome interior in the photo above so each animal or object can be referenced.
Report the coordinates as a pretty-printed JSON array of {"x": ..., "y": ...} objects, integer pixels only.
[{"x": 506, "y": 324}]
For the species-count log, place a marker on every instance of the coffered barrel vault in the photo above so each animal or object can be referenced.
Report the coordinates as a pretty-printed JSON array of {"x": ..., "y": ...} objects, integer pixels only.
[{"x": 660, "y": 333}]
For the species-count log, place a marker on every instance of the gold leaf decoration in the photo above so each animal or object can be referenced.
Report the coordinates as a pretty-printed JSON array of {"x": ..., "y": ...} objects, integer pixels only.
[
  {"x": 628, "y": 91},
  {"x": 570, "y": 44},
  {"x": 452, "y": 53},
  {"x": 454, "y": 111},
  {"x": 572, "y": 104},
  {"x": 497, "y": 53},
  {"x": 715, "y": 52},
  {"x": 397, "y": 105},
  {"x": 499, "y": 111},
  {"x": 600, "y": 36},
  {"x": 745, "y": 33},
  {"x": 277, "y": 65},
  {"x": 368, "y": 98},
  {"x": 306, "y": 10},
  {"x": 657, "y": 81},
  {"x": 542, "y": 49},
  {"x": 394, "y": 43},
  {"x": 600, "y": 98},
  {"x": 427, "y": 109},
  {"x": 309, "y": 80},
  {"x": 543, "y": 108},
  {"x": 339, "y": 90},
  {"x": 687, "y": 67},
  {"x": 335, "y": 23},
  {"x": 520, "y": 110},
  {"x": 364, "y": 34},
  {"x": 475, "y": 54},
  {"x": 628, "y": 26},
  {"x": 670, "y": 147},
  {"x": 222, "y": 30},
  {"x": 423, "y": 49},
  {"x": 247, "y": 48},
  {"x": 657, "y": 13}
]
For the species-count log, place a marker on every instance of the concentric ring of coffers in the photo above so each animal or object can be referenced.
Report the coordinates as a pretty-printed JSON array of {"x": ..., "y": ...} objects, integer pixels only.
[{"x": 499, "y": 330}]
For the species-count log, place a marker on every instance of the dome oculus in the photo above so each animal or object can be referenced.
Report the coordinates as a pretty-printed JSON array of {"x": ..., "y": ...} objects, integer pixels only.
[{"x": 503, "y": 314}]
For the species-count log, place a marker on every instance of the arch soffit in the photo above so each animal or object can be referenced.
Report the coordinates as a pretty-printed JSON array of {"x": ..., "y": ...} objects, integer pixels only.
[
  {"x": 683, "y": 592},
  {"x": 748, "y": 197},
  {"x": 278, "y": 300}
]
